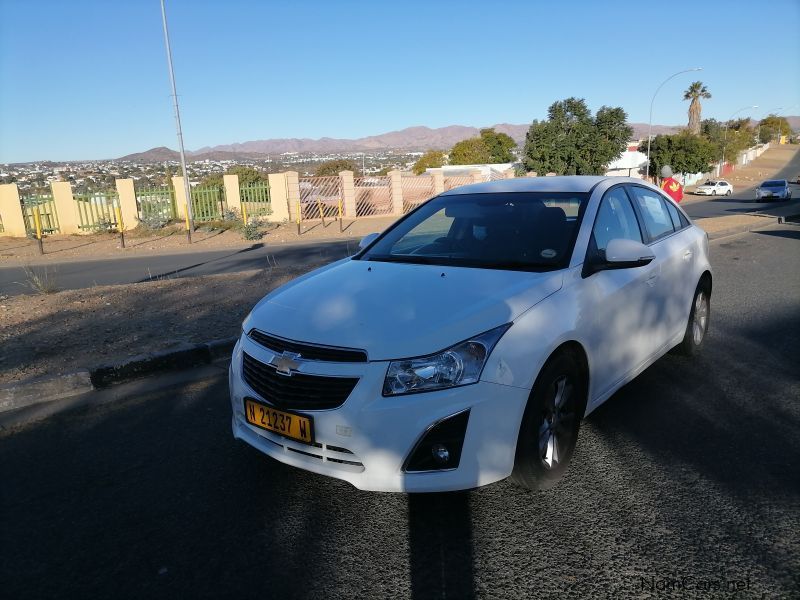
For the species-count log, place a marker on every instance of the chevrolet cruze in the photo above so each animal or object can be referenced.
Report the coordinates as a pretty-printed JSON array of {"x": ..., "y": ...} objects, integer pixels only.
[{"x": 465, "y": 343}]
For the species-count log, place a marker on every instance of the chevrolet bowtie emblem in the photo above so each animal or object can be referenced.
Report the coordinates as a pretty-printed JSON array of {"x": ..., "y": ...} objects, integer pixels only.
[{"x": 285, "y": 363}]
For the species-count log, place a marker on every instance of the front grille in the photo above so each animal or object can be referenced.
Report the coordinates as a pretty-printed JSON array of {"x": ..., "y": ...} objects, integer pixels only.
[
  {"x": 307, "y": 351},
  {"x": 298, "y": 392}
]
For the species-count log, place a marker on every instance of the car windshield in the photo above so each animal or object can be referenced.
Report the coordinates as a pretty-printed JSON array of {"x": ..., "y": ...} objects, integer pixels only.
[
  {"x": 774, "y": 183},
  {"x": 525, "y": 231}
]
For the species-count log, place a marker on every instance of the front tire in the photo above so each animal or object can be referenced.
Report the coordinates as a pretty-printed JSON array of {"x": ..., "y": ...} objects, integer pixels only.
[
  {"x": 699, "y": 317},
  {"x": 728, "y": 193},
  {"x": 713, "y": 192},
  {"x": 549, "y": 429}
]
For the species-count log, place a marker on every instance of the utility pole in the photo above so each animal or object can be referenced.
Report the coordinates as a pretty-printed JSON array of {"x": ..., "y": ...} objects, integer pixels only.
[{"x": 186, "y": 189}]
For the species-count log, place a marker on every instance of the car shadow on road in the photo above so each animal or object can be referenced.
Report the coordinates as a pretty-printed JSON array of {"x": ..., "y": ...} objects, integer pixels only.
[{"x": 440, "y": 545}]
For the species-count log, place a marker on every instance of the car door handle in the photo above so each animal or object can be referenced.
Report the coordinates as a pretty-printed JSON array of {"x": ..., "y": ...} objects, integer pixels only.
[{"x": 687, "y": 255}]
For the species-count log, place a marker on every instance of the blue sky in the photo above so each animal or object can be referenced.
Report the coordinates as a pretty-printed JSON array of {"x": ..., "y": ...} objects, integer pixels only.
[{"x": 88, "y": 78}]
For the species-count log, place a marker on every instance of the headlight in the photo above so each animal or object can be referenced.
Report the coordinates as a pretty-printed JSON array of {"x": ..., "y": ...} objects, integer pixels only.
[{"x": 459, "y": 365}]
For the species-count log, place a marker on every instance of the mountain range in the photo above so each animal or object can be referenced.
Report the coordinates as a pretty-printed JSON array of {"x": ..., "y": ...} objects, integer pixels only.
[{"x": 410, "y": 139}]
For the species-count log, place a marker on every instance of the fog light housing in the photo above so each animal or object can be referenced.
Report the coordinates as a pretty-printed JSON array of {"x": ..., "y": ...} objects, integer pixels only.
[
  {"x": 439, "y": 448},
  {"x": 440, "y": 453}
]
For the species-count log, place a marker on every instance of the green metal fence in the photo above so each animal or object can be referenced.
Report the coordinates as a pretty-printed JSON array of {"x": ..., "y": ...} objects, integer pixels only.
[
  {"x": 156, "y": 204},
  {"x": 255, "y": 199},
  {"x": 46, "y": 207},
  {"x": 96, "y": 210},
  {"x": 208, "y": 203}
]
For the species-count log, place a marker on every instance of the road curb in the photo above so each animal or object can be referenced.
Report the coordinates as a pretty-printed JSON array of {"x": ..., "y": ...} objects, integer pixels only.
[
  {"x": 767, "y": 221},
  {"x": 46, "y": 389},
  {"x": 43, "y": 389}
]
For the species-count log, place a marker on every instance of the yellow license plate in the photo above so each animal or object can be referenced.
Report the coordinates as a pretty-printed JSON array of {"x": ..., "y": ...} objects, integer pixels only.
[{"x": 291, "y": 425}]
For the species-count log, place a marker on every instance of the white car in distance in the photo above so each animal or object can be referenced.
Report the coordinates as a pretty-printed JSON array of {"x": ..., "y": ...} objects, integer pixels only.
[
  {"x": 714, "y": 188},
  {"x": 465, "y": 343}
]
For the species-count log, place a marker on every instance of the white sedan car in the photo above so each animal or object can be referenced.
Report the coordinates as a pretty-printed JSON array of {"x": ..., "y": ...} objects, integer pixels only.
[
  {"x": 465, "y": 343},
  {"x": 714, "y": 188}
]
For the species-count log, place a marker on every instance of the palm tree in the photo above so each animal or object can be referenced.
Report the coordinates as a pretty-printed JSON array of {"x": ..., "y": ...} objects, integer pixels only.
[{"x": 696, "y": 91}]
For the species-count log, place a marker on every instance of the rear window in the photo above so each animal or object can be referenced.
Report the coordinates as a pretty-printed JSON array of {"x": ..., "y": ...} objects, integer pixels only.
[{"x": 773, "y": 183}]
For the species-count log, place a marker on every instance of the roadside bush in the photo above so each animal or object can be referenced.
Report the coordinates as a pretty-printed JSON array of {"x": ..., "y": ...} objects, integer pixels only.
[
  {"x": 153, "y": 221},
  {"x": 252, "y": 231}
]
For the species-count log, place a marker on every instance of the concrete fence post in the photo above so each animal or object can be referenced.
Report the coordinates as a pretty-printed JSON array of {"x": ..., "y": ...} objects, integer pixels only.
[
  {"x": 11, "y": 211},
  {"x": 127, "y": 203},
  {"x": 232, "y": 195},
  {"x": 68, "y": 221},
  {"x": 348, "y": 194},
  {"x": 396, "y": 181},
  {"x": 180, "y": 197},
  {"x": 278, "y": 199},
  {"x": 476, "y": 175},
  {"x": 438, "y": 180},
  {"x": 292, "y": 192}
]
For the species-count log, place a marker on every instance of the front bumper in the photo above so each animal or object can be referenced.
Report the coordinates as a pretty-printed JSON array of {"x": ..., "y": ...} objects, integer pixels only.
[
  {"x": 703, "y": 192},
  {"x": 366, "y": 440}
]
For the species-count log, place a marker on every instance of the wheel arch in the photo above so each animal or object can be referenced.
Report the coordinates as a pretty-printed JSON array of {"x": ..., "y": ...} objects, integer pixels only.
[
  {"x": 706, "y": 280},
  {"x": 576, "y": 350}
]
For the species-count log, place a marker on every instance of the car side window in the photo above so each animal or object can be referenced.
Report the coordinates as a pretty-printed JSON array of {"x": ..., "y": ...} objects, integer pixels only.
[
  {"x": 615, "y": 219},
  {"x": 654, "y": 212},
  {"x": 673, "y": 214}
]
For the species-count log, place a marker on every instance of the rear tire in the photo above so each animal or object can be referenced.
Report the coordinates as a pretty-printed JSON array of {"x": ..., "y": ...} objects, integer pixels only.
[
  {"x": 728, "y": 193},
  {"x": 549, "y": 429},
  {"x": 713, "y": 192},
  {"x": 699, "y": 318}
]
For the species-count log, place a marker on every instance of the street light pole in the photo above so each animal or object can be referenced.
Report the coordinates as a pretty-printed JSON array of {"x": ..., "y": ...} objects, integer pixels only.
[
  {"x": 725, "y": 139},
  {"x": 650, "y": 122},
  {"x": 186, "y": 189}
]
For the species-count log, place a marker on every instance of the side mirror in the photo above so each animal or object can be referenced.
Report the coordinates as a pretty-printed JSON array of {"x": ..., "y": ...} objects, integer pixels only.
[
  {"x": 619, "y": 254},
  {"x": 367, "y": 240},
  {"x": 625, "y": 254}
]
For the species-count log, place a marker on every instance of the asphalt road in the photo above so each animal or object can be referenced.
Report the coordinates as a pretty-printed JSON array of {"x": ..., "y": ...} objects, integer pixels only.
[
  {"x": 83, "y": 274},
  {"x": 743, "y": 200},
  {"x": 687, "y": 476}
]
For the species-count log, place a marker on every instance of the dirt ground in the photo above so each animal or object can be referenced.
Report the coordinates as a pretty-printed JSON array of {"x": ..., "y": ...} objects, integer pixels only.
[
  {"x": 62, "y": 332},
  {"x": 14, "y": 251}
]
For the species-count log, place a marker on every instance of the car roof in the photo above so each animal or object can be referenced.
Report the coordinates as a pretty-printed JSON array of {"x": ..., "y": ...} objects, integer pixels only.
[{"x": 570, "y": 183}]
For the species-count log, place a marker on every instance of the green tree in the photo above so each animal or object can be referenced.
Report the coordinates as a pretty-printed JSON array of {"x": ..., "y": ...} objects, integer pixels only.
[
  {"x": 684, "y": 152},
  {"x": 472, "y": 151},
  {"x": 771, "y": 126},
  {"x": 334, "y": 167},
  {"x": 248, "y": 175},
  {"x": 499, "y": 146},
  {"x": 432, "y": 159},
  {"x": 573, "y": 142},
  {"x": 728, "y": 141},
  {"x": 696, "y": 91}
]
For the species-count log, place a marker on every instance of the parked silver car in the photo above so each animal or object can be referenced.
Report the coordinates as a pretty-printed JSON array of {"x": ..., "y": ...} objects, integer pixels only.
[{"x": 773, "y": 188}]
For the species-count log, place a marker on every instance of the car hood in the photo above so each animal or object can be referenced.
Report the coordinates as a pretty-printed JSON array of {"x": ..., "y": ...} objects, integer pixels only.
[{"x": 395, "y": 310}]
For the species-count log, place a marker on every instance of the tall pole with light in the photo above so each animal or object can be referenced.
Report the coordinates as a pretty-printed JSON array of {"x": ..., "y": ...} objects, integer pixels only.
[
  {"x": 725, "y": 139},
  {"x": 650, "y": 121},
  {"x": 778, "y": 114},
  {"x": 186, "y": 190}
]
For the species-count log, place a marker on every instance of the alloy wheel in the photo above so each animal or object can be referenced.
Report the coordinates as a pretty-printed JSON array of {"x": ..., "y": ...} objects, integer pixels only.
[
  {"x": 556, "y": 431},
  {"x": 700, "y": 321}
]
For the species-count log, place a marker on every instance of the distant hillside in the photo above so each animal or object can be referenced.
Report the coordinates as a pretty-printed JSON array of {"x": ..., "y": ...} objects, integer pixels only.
[
  {"x": 411, "y": 138},
  {"x": 160, "y": 154}
]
